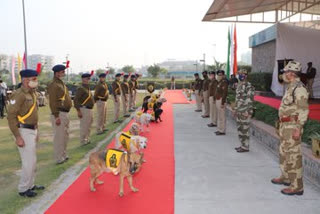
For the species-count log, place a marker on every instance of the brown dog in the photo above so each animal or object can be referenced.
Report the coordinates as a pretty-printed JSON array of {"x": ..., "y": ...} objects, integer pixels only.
[{"x": 116, "y": 161}]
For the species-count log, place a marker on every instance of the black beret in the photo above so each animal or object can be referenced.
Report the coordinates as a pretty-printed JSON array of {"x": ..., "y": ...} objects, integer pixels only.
[
  {"x": 220, "y": 72},
  {"x": 212, "y": 72},
  {"x": 28, "y": 73},
  {"x": 132, "y": 76},
  {"x": 58, "y": 68},
  {"x": 102, "y": 75},
  {"x": 126, "y": 75},
  {"x": 118, "y": 75},
  {"x": 85, "y": 75},
  {"x": 205, "y": 72},
  {"x": 196, "y": 74}
]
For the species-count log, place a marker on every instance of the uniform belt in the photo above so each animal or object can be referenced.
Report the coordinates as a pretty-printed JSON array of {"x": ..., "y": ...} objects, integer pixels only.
[
  {"x": 86, "y": 107},
  {"x": 289, "y": 119},
  {"x": 27, "y": 126},
  {"x": 102, "y": 100}
]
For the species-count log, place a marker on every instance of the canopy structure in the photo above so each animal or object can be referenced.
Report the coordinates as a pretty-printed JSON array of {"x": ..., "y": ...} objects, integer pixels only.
[{"x": 263, "y": 11}]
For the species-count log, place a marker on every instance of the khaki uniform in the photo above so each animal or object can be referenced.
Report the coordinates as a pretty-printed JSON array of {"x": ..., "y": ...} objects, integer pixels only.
[
  {"x": 23, "y": 111},
  {"x": 125, "y": 97},
  {"x": 198, "y": 88},
  {"x": 244, "y": 105},
  {"x": 60, "y": 104},
  {"x": 213, "y": 108},
  {"x": 135, "y": 92},
  {"x": 293, "y": 114},
  {"x": 206, "y": 104},
  {"x": 220, "y": 99},
  {"x": 101, "y": 95},
  {"x": 84, "y": 102},
  {"x": 131, "y": 94},
  {"x": 116, "y": 90}
]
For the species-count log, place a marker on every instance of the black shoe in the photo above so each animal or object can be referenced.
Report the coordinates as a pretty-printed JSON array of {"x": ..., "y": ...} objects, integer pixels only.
[
  {"x": 100, "y": 133},
  {"x": 35, "y": 187},
  {"x": 220, "y": 133},
  {"x": 29, "y": 193},
  {"x": 127, "y": 115},
  {"x": 211, "y": 125},
  {"x": 105, "y": 130},
  {"x": 205, "y": 116},
  {"x": 242, "y": 150},
  {"x": 131, "y": 110},
  {"x": 198, "y": 110},
  {"x": 119, "y": 121},
  {"x": 237, "y": 148}
]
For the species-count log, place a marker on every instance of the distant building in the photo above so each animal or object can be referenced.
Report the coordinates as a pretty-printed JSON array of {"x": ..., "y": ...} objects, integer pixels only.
[
  {"x": 246, "y": 58},
  {"x": 46, "y": 61},
  {"x": 181, "y": 69}
]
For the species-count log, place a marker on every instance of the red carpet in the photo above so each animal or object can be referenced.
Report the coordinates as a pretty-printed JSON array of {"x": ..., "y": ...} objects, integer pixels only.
[
  {"x": 177, "y": 97},
  {"x": 314, "y": 113},
  {"x": 155, "y": 181}
]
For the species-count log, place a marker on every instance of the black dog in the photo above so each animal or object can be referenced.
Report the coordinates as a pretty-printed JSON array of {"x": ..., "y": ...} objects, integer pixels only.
[
  {"x": 157, "y": 111},
  {"x": 145, "y": 104}
]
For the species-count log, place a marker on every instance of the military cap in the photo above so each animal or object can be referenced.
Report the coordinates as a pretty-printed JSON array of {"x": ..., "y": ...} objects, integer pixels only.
[
  {"x": 293, "y": 66},
  {"x": 118, "y": 75},
  {"x": 220, "y": 72},
  {"x": 243, "y": 71},
  {"x": 212, "y": 72},
  {"x": 102, "y": 75},
  {"x": 28, "y": 73},
  {"x": 85, "y": 75},
  {"x": 132, "y": 76},
  {"x": 205, "y": 72},
  {"x": 196, "y": 74},
  {"x": 58, "y": 68},
  {"x": 126, "y": 75}
]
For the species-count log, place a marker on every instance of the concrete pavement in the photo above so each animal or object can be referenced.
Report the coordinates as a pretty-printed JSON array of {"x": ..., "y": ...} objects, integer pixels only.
[{"x": 211, "y": 177}]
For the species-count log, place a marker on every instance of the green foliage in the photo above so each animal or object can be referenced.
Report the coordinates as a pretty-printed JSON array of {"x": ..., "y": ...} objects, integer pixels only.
[
  {"x": 246, "y": 67},
  {"x": 154, "y": 70},
  {"x": 128, "y": 69},
  {"x": 217, "y": 66},
  {"x": 261, "y": 81}
]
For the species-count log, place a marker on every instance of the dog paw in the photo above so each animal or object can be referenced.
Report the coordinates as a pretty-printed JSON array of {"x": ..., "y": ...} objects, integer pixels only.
[
  {"x": 134, "y": 189},
  {"x": 93, "y": 189},
  {"x": 121, "y": 194},
  {"x": 99, "y": 182}
]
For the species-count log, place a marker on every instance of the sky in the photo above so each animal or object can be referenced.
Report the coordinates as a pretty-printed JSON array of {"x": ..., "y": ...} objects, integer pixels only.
[{"x": 96, "y": 33}]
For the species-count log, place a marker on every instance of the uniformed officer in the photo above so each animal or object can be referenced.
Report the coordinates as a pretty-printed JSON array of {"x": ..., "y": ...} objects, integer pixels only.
[
  {"x": 244, "y": 110},
  {"x": 311, "y": 74},
  {"x": 205, "y": 89},
  {"x": 101, "y": 95},
  {"x": 125, "y": 95},
  {"x": 23, "y": 123},
  {"x": 60, "y": 104},
  {"x": 197, "y": 91},
  {"x": 212, "y": 91},
  {"x": 84, "y": 102},
  {"x": 293, "y": 114},
  {"x": 116, "y": 91},
  {"x": 221, "y": 99},
  {"x": 135, "y": 92},
  {"x": 132, "y": 91}
]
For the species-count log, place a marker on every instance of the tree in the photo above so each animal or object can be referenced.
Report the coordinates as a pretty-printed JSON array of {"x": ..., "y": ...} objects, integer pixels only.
[
  {"x": 128, "y": 69},
  {"x": 217, "y": 66},
  {"x": 154, "y": 70},
  {"x": 163, "y": 71}
]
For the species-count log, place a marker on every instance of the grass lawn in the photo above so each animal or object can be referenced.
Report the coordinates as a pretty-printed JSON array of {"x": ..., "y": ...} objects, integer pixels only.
[{"x": 47, "y": 170}]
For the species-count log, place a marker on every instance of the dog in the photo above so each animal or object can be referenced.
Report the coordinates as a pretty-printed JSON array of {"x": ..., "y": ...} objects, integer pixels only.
[
  {"x": 116, "y": 161},
  {"x": 134, "y": 129},
  {"x": 143, "y": 119},
  {"x": 157, "y": 112},
  {"x": 130, "y": 143}
]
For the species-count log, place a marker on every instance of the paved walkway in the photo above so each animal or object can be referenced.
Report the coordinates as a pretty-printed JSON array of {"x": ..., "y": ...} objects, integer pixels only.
[{"x": 211, "y": 178}]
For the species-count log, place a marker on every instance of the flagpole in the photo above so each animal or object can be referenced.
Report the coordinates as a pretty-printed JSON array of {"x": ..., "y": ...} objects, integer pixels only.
[{"x": 25, "y": 35}]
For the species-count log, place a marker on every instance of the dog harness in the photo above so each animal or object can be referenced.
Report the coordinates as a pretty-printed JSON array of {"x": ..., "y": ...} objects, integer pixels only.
[
  {"x": 113, "y": 158},
  {"x": 125, "y": 138}
]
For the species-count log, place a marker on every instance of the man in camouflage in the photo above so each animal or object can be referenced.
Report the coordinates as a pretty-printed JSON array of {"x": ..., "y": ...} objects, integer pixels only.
[
  {"x": 205, "y": 89},
  {"x": 197, "y": 90},
  {"x": 293, "y": 114},
  {"x": 244, "y": 110}
]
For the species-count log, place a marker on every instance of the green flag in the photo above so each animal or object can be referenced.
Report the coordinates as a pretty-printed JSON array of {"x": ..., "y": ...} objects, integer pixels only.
[{"x": 228, "y": 59}]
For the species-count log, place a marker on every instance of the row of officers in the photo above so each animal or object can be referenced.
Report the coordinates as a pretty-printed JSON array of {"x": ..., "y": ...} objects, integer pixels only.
[
  {"x": 293, "y": 113},
  {"x": 23, "y": 115}
]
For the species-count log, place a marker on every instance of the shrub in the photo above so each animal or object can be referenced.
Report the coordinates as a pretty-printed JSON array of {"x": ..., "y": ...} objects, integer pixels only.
[{"x": 261, "y": 81}]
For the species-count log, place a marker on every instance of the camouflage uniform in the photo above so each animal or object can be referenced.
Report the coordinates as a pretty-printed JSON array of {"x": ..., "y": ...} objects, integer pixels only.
[
  {"x": 244, "y": 104},
  {"x": 293, "y": 114}
]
